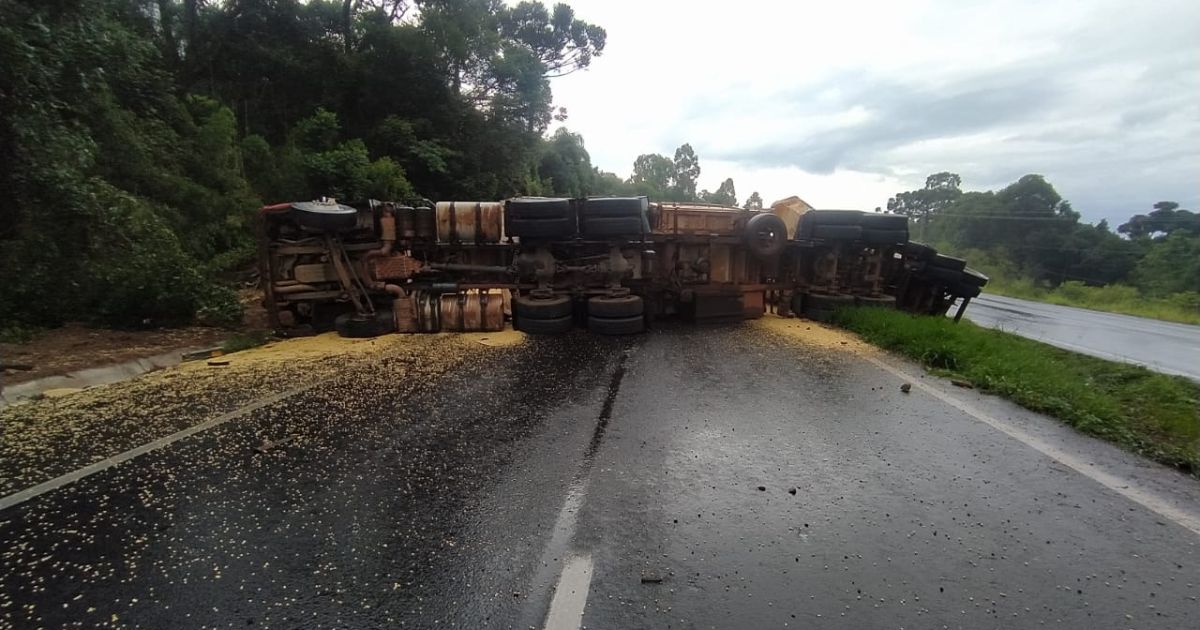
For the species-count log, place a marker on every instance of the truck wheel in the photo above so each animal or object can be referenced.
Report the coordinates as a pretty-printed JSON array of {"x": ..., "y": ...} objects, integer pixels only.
[
  {"x": 765, "y": 235},
  {"x": 834, "y": 217},
  {"x": 837, "y": 232},
  {"x": 821, "y": 307},
  {"x": 528, "y": 307},
  {"x": 798, "y": 304},
  {"x": 885, "y": 237},
  {"x": 828, "y": 302},
  {"x": 624, "y": 306},
  {"x": 617, "y": 325},
  {"x": 353, "y": 326},
  {"x": 549, "y": 326},
  {"x": 818, "y": 315},
  {"x": 884, "y": 222}
]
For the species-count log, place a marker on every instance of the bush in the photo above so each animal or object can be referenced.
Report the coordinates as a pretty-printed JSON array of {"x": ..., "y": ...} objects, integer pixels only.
[
  {"x": 219, "y": 306},
  {"x": 140, "y": 273}
]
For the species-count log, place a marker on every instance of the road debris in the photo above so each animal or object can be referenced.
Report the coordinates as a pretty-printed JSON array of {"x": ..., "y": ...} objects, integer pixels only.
[
  {"x": 906, "y": 387},
  {"x": 267, "y": 444},
  {"x": 961, "y": 383},
  {"x": 650, "y": 576}
]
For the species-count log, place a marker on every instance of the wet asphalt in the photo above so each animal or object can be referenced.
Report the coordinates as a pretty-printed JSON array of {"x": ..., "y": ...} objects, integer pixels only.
[
  {"x": 1164, "y": 346},
  {"x": 712, "y": 478}
]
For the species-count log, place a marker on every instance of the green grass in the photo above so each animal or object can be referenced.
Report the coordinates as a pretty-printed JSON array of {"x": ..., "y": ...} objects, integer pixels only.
[
  {"x": 1114, "y": 298},
  {"x": 1146, "y": 412},
  {"x": 1006, "y": 280}
]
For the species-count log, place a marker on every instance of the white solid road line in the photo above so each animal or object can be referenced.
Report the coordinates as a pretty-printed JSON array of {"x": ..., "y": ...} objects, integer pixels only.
[
  {"x": 1183, "y": 518},
  {"x": 58, "y": 482},
  {"x": 570, "y": 595}
]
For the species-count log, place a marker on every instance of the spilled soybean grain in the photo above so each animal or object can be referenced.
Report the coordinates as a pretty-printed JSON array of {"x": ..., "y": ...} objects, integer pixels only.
[
  {"x": 50, "y": 437},
  {"x": 366, "y": 486}
]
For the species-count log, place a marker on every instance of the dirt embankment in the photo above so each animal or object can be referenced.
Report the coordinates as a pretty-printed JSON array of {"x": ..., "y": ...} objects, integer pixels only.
[{"x": 75, "y": 347}]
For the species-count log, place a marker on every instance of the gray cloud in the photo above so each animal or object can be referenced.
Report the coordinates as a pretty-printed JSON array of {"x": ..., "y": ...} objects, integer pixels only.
[
  {"x": 1100, "y": 97},
  {"x": 901, "y": 114}
]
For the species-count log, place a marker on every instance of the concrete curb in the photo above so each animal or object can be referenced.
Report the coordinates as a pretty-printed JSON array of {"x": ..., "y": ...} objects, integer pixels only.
[{"x": 92, "y": 377}]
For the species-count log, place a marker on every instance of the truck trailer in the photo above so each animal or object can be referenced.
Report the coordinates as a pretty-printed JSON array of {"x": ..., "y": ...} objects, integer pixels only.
[{"x": 611, "y": 264}]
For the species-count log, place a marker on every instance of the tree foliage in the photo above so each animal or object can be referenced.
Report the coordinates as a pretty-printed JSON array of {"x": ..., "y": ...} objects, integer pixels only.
[
  {"x": 1036, "y": 233},
  {"x": 653, "y": 174},
  {"x": 941, "y": 189},
  {"x": 1166, "y": 218},
  {"x": 686, "y": 172},
  {"x": 726, "y": 194},
  {"x": 139, "y": 136}
]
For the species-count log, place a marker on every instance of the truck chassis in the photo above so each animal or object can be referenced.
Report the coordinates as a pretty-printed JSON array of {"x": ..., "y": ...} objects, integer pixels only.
[{"x": 613, "y": 264}]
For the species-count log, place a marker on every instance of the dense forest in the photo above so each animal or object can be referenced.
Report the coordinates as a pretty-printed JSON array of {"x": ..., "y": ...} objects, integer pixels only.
[
  {"x": 1028, "y": 231},
  {"x": 137, "y": 137}
]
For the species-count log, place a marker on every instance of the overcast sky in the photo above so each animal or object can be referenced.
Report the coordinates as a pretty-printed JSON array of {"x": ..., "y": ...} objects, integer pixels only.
[{"x": 845, "y": 103}]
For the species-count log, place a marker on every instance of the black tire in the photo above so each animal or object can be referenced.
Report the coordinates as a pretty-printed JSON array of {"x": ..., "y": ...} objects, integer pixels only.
[
  {"x": 874, "y": 221},
  {"x": 819, "y": 315},
  {"x": 837, "y": 232},
  {"x": 973, "y": 277},
  {"x": 885, "y": 237},
  {"x": 797, "y": 304},
  {"x": 351, "y": 325},
  {"x": 882, "y": 301},
  {"x": 919, "y": 252},
  {"x": 538, "y": 208},
  {"x": 813, "y": 219},
  {"x": 619, "y": 307},
  {"x": 554, "y": 326},
  {"x": 326, "y": 217},
  {"x": 617, "y": 325},
  {"x": 542, "y": 308},
  {"x": 765, "y": 235},
  {"x": 817, "y": 301},
  {"x": 834, "y": 217},
  {"x": 948, "y": 262},
  {"x": 634, "y": 207},
  {"x": 612, "y": 226},
  {"x": 541, "y": 228}
]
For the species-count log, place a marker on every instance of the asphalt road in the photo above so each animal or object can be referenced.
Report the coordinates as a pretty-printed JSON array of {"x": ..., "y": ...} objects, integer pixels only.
[
  {"x": 687, "y": 478},
  {"x": 1164, "y": 346}
]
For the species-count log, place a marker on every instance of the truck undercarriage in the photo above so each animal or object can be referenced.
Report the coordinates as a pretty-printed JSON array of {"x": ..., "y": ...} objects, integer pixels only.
[{"x": 612, "y": 264}]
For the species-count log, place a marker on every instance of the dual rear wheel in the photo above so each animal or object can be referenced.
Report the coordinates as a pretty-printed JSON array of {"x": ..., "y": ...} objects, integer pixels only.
[
  {"x": 620, "y": 315},
  {"x": 607, "y": 315}
]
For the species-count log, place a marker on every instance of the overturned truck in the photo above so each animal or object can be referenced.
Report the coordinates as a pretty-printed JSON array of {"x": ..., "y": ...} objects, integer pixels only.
[{"x": 611, "y": 264}]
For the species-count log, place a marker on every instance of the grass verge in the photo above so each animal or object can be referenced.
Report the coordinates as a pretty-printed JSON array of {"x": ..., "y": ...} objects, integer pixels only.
[
  {"x": 1149, "y": 413},
  {"x": 1114, "y": 298}
]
